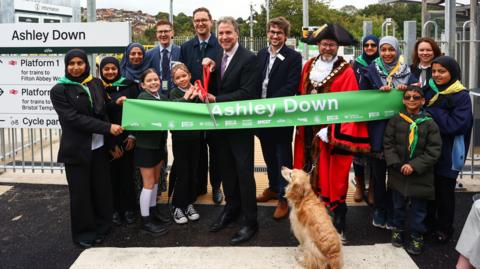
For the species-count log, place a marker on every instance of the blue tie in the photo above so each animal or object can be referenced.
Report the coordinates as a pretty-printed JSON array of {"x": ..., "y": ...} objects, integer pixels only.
[{"x": 165, "y": 65}]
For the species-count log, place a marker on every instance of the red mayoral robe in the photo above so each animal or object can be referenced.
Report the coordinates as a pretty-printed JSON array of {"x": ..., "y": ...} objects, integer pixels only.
[{"x": 330, "y": 163}]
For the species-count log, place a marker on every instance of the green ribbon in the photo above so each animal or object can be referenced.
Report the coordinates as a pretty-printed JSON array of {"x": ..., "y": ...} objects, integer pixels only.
[
  {"x": 361, "y": 61},
  {"x": 313, "y": 109},
  {"x": 65, "y": 80}
]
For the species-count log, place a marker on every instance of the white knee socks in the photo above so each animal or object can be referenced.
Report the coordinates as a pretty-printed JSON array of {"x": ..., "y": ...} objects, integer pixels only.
[
  {"x": 153, "y": 199},
  {"x": 145, "y": 198}
]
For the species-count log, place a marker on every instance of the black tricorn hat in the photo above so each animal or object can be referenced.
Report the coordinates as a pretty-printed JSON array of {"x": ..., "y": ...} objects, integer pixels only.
[{"x": 328, "y": 31}]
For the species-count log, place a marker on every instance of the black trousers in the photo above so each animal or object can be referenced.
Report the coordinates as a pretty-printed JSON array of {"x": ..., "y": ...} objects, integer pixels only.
[
  {"x": 91, "y": 199},
  {"x": 441, "y": 212},
  {"x": 185, "y": 159},
  {"x": 382, "y": 195},
  {"x": 207, "y": 165},
  {"x": 234, "y": 157},
  {"x": 121, "y": 173},
  {"x": 276, "y": 154}
]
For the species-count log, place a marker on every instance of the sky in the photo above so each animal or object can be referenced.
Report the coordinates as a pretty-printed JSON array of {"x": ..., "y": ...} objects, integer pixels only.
[{"x": 218, "y": 8}]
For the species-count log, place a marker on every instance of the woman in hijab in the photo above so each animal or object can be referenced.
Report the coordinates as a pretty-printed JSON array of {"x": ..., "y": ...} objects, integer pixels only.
[
  {"x": 385, "y": 73},
  {"x": 79, "y": 101},
  {"x": 369, "y": 53},
  {"x": 426, "y": 49},
  {"x": 449, "y": 103},
  {"x": 134, "y": 63},
  {"x": 118, "y": 89}
]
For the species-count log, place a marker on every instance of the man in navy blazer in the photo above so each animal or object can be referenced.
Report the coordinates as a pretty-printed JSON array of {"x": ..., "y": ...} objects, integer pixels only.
[
  {"x": 204, "y": 44},
  {"x": 280, "y": 68},
  {"x": 161, "y": 57},
  {"x": 235, "y": 78}
]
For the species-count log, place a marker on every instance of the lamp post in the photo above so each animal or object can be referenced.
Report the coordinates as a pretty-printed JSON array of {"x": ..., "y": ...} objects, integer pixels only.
[
  {"x": 170, "y": 18},
  {"x": 251, "y": 26},
  {"x": 305, "y": 24}
]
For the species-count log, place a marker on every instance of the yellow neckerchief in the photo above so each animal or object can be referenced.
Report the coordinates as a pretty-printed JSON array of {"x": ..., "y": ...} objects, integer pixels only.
[
  {"x": 413, "y": 135},
  {"x": 457, "y": 86}
]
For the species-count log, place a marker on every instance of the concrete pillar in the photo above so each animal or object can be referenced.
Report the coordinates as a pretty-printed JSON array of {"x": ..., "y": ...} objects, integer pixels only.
[
  {"x": 410, "y": 37},
  {"x": 7, "y": 11},
  {"x": 450, "y": 27},
  {"x": 92, "y": 17}
]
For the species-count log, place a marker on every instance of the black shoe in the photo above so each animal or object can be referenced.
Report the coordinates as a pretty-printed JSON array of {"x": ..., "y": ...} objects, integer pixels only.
[
  {"x": 154, "y": 227},
  {"x": 159, "y": 215},
  {"x": 116, "y": 219},
  {"x": 222, "y": 222},
  {"x": 100, "y": 239},
  {"x": 84, "y": 244},
  {"x": 130, "y": 217},
  {"x": 244, "y": 234},
  {"x": 217, "y": 196}
]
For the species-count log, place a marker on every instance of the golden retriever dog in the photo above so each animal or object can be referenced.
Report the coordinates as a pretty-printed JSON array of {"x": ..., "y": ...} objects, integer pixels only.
[{"x": 319, "y": 241}]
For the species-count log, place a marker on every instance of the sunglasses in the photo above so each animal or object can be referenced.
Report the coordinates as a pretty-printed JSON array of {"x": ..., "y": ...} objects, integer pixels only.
[
  {"x": 370, "y": 45},
  {"x": 410, "y": 97}
]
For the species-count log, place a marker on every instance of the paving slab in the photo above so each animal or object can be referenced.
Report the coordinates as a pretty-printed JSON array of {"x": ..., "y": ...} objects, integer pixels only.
[{"x": 372, "y": 256}]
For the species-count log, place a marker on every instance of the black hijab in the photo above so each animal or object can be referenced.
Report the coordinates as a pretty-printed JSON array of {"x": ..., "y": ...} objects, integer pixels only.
[
  {"x": 453, "y": 68},
  {"x": 81, "y": 54},
  {"x": 110, "y": 60},
  {"x": 365, "y": 56}
]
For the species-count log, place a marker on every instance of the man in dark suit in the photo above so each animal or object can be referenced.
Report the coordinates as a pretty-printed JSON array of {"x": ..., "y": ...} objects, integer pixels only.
[
  {"x": 281, "y": 67},
  {"x": 204, "y": 44},
  {"x": 235, "y": 78},
  {"x": 162, "y": 56}
]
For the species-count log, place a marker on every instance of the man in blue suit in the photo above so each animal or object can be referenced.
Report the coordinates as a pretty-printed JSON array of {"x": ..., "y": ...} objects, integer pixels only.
[
  {"x": 281, "y": 67},
  {"x": 162, "y": 56},
  {"x": 203, "y": 45}
]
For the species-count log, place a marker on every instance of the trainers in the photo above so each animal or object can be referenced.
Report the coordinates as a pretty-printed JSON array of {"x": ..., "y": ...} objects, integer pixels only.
[
  {"x": 379, "y": 219},
  {"x": 397, "y": 238},
  {"x": 415, "y": 247},
  {"x": 192, "y": 213},
  {"x": 179, "y": 217}
]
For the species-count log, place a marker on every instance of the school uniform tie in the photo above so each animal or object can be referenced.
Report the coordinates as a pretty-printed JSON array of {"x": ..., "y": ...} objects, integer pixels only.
[
  {"x": 165, "y": 65},
  {"x": 224, "y": 65},
  {"x": 203, "y": 48}
]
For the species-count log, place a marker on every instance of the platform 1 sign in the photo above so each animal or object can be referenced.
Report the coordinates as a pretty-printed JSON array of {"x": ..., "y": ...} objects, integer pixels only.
[
  {"x": 94, "y": 37},
  {"x": 25, "y": 86}
]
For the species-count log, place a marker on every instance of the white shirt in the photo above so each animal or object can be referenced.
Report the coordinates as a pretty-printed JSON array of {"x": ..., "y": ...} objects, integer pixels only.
[
  {"x": 97, "y": 141},
  {"x": 271, "y": 61},
  {"x": 230, "y": 54}
]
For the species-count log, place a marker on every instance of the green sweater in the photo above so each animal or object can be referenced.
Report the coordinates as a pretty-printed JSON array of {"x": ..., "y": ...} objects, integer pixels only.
[{"x": 150, "y": 139}]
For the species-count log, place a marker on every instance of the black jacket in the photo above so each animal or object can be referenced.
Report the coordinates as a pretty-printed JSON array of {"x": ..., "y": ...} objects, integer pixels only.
[
  {"x": 79, "y": 121},
  {"x": 283, "y": 81}
]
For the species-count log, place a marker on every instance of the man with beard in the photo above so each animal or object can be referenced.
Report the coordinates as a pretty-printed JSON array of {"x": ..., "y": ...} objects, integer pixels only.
[{"x": 326, "y": 150}]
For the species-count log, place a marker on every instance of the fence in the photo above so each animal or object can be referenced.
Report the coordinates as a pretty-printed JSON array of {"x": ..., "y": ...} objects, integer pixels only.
[{"x": 36, "y": 149}]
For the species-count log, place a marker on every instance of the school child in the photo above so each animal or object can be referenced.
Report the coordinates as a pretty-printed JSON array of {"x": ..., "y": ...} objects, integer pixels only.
[
  {"x": 412, "y": 146},
  {"x": 149, "y": 156},
  {"x": 186, "y": 151}
]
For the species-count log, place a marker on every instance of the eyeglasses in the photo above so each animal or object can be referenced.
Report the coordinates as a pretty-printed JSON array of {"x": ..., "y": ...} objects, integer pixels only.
[
  {"x": 328, "y": 45},
  {"x": 370, "y": 45},
  {"x": 163, "y": 32},
  {"x": 278, "y": 33},
  {"x": 198, "y": 21},
  {"x": 410, "y": 97}
]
